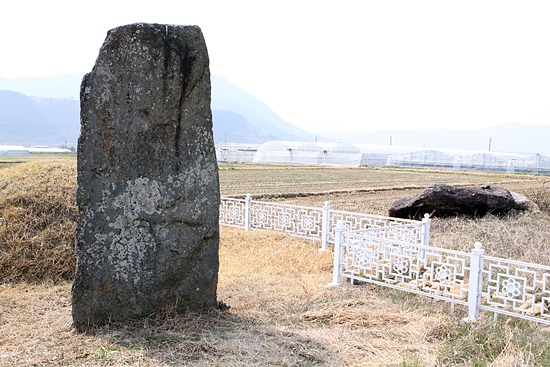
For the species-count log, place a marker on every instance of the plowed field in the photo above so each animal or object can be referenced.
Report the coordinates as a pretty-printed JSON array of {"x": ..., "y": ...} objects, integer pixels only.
[{"x": 366, "y": 190}]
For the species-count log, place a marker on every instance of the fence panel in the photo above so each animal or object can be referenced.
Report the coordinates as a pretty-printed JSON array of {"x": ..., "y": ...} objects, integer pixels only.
[
  {"x": 392, "y": 252},
  {"x": 492, "y": 284},
  {"x": 429, "y": 271},
  {"x": 299, "y": 221},
  {"x": 233, "y": 213},
  {"x": 409, "y": 233},
  {"x": 357, "y": 221},
  {"x": 516, "y": 289}
]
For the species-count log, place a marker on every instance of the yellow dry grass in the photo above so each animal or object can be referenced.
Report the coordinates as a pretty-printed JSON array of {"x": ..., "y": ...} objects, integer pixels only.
[
  {"x": 37, "y": 220},
  {"x": 282, "y": 311},
  {"x": 282, "y": 314}
]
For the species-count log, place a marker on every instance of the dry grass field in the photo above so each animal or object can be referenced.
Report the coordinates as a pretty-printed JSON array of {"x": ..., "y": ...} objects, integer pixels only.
[{"x": 282, "y": 313}]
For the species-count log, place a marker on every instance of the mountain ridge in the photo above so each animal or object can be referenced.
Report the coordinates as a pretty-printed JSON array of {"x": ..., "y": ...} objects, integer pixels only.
[
  {"x": 238, "y": 117},
  {"x": 228, "y": 96},
  {"x": 38, "y": 121},
  {"x": 255, "y": 123}
]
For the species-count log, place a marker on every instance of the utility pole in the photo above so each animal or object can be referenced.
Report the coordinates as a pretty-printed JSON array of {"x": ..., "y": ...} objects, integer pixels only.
[
  {"x": 390, "y": 140},
  {"x": 489, "y": 144}
]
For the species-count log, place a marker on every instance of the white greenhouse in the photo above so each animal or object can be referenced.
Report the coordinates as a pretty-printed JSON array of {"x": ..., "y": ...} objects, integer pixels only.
[
  {"x": 48, "y": 150},
  {"x": 13, "y": 150},
  {"x": 234, "y": 152},
  {"x": 355, "y": 155},
  {"x": 294, "y": 152},
  {"x": 463, "y": 160},
  {"x": 537, "y": 164},
  {"x": 424, "y": 159},
  {"x": 362, "y": 155},
  {"x": 486, "y": 162}
]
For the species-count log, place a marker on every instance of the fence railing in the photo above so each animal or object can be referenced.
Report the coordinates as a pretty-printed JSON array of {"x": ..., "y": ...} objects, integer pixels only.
[
  {"x": 317, "y": 224},
  {"x": 473, "y": 280},
  {"x": 234, "y": 213},
  {"x": 357, "y": 221},
  {"x": 396, "y": 253},
  {"x": 514, "y": 288}
]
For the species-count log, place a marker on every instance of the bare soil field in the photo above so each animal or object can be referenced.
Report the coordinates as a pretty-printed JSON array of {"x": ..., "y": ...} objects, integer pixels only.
[
  {"x": 282, "y": 313},
  {"x": 280, "y": 181},
  {"x": 378, "y": 201}
]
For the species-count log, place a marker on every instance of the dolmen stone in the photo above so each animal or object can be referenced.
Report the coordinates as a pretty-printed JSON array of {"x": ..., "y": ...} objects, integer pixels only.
[
  {"x": 148, "y": 191},
  {"x": 445, "y": 201}
]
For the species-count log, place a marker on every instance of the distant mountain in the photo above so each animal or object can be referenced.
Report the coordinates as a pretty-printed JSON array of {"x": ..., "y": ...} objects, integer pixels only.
[
  {"x": 228, "y": 97},
  {"x": 64, "y": 86},
  {"x": 232, "y": 127},
  {"x": 237, "y": 115},
  {"x": 38, "y": 121},
  {"x": 513, "y": 137}
]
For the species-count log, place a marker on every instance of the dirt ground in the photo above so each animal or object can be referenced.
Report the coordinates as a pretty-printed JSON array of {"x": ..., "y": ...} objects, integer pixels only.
[
  {"x": 282, "y": 311},
  {"x": 378, "y": 201}
]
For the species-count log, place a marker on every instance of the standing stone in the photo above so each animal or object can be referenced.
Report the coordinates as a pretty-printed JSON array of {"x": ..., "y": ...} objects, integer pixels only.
[{"x": 148, "y": 191}]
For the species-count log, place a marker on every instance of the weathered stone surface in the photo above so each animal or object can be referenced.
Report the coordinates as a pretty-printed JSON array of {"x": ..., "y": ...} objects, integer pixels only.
[
  {"x": 523, "y": 203},
  {"x": 148, "y": 191},
  {"x": 444, "y": 200}
]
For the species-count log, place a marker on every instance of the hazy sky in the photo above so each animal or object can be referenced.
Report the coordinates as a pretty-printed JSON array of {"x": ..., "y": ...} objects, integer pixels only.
[{"x": 326, "y": 66}]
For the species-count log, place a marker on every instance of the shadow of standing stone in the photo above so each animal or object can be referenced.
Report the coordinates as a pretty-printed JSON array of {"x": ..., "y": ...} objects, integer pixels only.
[{"x": 148, "y": 190}]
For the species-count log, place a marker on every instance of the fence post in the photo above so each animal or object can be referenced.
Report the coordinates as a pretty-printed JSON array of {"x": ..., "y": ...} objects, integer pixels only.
[
  {"x": 325, "y": 227},
  {"x": 338, "y": 244},
  {"x": 426, "y": 230},
  {"x": 247, "y": 212},
  {"x": 474, "y": 286}
]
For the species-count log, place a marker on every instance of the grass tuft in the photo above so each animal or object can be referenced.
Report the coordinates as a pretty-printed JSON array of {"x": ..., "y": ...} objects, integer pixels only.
[
  {"x": 520, "y": 236},
  {"x": 37, "y": 221},
  {"x": 512, "y": 343},
  {"x": 540, "y": 195}
]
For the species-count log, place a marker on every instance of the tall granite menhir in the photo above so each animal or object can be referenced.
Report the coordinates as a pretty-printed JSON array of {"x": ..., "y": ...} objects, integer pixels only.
[{"x": 148, "y": 191}]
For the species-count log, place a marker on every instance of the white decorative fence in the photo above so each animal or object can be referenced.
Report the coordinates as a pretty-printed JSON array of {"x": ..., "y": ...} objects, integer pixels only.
[
  {"x": 473, "y": 280},
  {"x": 395, "y": 253},
  {"x": 514, "y": 288},
  {"x": 316, "y": 223}
]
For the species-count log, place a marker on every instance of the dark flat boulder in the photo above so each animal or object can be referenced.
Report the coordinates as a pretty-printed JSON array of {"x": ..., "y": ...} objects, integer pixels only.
[{"x": 445, "y": 201}]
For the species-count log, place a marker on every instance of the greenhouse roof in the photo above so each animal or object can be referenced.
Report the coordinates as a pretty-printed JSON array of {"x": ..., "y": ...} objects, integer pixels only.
[{"x": 13, "y": 150}]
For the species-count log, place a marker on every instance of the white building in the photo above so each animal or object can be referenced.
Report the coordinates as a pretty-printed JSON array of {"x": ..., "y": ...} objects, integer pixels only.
[{"x": 13, "y": 150}]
